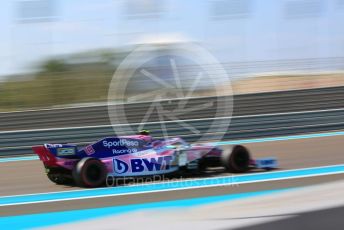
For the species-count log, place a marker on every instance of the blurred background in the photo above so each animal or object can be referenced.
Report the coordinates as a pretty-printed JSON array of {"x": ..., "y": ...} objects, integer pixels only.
[{"x": 59, "y": 52}]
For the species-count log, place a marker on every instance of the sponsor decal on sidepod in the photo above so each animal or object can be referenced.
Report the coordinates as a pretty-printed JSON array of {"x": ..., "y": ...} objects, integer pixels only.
[
  {"x": 137, "y": 165},
  {"x": 121, "y": 142}
]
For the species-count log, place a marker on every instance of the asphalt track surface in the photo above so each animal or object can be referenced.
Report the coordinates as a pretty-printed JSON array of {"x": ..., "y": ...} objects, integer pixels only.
[
  {"x": 331, "y": 218},
  {"x": 313, "y": 207},
  {"x": 26, "y": 177}
]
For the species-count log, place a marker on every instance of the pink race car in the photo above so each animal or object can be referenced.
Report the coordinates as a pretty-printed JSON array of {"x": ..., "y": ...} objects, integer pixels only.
[{"x": 140, "y": 155}]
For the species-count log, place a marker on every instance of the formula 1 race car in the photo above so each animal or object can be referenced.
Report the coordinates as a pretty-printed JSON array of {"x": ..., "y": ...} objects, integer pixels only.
[{"x": 140, "y": 155}]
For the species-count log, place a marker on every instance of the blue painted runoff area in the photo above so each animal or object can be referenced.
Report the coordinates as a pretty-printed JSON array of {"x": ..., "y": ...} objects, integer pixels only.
[
  {"x": 281, "y": 138},
  {"x": 169, "y": 185},
  {"x": 64, "y": 217},
  {"x": 12, "y": 159}
]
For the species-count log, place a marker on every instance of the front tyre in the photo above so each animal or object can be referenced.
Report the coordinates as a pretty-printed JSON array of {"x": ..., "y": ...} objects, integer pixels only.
[
  {"x": 90, "y": 172},
  {"x": 237, "y": 159}
]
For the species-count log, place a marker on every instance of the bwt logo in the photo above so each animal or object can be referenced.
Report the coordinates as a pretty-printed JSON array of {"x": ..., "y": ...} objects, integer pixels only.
[
  {"x": 140, "y": 165},
  {"x": 121, "y": 142}
]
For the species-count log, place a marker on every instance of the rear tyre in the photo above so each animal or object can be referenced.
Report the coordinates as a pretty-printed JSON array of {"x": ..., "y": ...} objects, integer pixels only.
[
  {"x": 89, "y": 172},
  {"x": 236, "y": 160}
]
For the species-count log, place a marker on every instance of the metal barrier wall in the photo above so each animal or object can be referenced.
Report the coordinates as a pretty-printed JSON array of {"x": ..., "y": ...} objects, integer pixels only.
[
  {"x": 246, "y": 104},
  {"x": 20, "y": 142}
]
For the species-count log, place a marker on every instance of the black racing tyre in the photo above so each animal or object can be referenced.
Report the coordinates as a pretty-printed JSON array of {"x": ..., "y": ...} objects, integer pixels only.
[
  {"x": 202, "y": 165},
  {"x": 56, "y": 178},
  {"x": 237, "y": 159},
  {"x": 89, "y": 172}
]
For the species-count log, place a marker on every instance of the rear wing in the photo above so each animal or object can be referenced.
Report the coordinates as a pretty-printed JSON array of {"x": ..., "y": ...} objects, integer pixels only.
[
  {"x": 44, "y": 155},
  {"x": 48, "y": 153}
]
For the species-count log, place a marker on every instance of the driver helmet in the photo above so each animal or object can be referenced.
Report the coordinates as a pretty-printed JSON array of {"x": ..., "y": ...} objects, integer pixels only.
[{"x": 144, "y": 132}]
